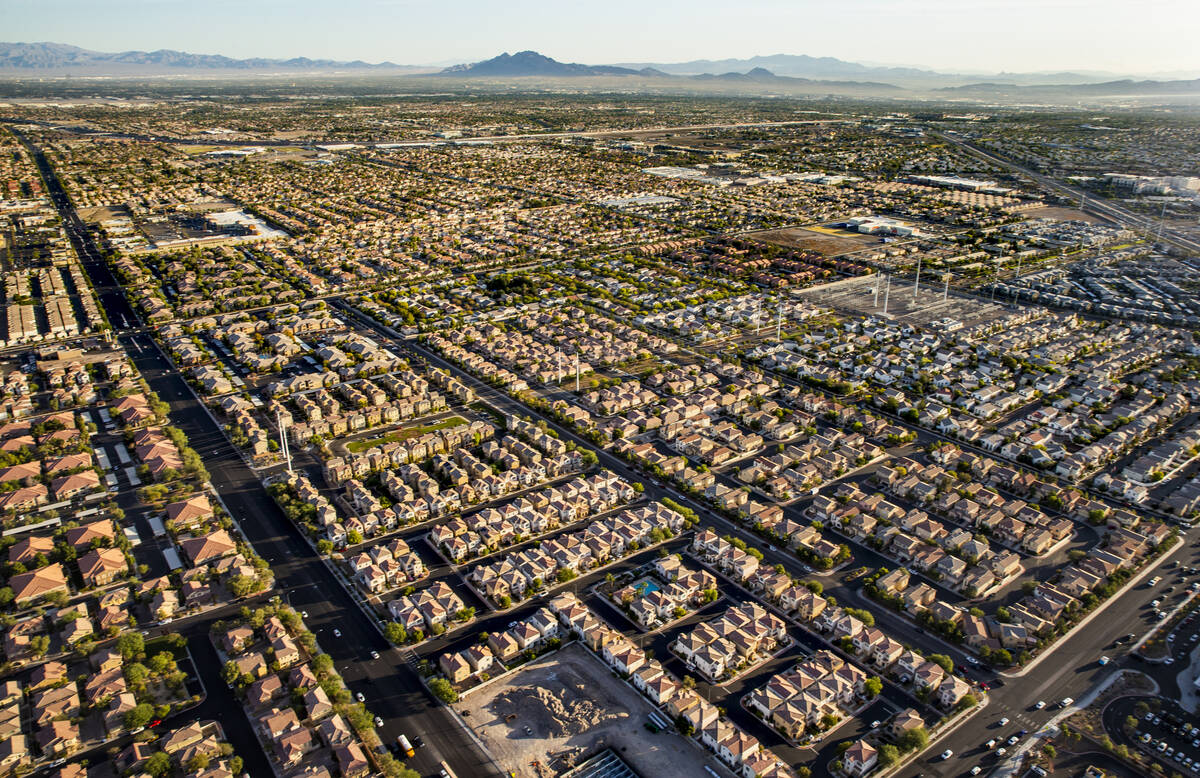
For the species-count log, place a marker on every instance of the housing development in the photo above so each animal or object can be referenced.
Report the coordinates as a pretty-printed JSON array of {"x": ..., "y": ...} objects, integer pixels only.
[{"x": 540, "y": 433}]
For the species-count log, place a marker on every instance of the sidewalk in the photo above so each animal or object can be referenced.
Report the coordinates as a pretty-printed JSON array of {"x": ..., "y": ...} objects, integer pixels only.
[
  {"x": 1189, "y": 695},
  {"x": 1161, "y": 625}
]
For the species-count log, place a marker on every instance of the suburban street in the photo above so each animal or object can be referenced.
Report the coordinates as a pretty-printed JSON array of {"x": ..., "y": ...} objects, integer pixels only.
[{"x": 392, "y": 687}]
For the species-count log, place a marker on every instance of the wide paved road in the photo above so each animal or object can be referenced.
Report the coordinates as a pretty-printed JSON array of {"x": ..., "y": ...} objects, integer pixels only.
[
  {"x": 1103, "y": 207},
  {"x": 392, "y": 688},
  {"x": 1069, "y": 671}
]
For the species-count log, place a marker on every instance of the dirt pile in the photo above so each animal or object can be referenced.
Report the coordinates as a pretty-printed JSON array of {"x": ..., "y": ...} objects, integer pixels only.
[{"x": 563, "y": 712}]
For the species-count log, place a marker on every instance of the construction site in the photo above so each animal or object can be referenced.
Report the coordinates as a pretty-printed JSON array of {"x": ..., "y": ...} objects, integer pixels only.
[{"x": 558, "y": 711}]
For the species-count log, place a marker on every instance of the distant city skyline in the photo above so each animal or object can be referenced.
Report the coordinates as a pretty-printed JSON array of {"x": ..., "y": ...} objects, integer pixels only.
[{"x": 985, "y": 36}]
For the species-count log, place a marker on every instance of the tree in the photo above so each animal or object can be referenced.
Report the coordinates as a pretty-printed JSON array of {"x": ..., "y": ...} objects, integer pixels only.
[
  {"x": 230, "y": 672},
  {"x": 136, "y": 674},
  {"x": 158, "y": 765},
  {"x": 442, "y": 689},
  {"x": 1049, "y": 751},
  {"x": 322, "y": 664},
  {"x": 197, "y": 762},
  {"x": 967, "y": 701},
  {"x": 916, "y": 739},
  {"x": 162, "y": 662},
  {"x": 873, "y": 686},
  {"x": 395, "y": 632},
  {"x": 39, "y": 645},
  {"x": 138, "y": 716},
  {"x": 944, "y": 661},
  {"x": 888, "y": 755},
  {"x": 131, "y": 645}
]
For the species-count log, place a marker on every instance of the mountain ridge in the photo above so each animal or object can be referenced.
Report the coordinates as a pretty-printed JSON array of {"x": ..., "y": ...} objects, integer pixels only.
[{"x": 50, "y": 56}]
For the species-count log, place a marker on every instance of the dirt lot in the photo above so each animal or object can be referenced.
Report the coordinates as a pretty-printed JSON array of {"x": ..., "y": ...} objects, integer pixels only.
[
  {"x": 1065, "y": 214},
  {"x": 810, "y": 240},
  {"x": 572, "y": 706}
]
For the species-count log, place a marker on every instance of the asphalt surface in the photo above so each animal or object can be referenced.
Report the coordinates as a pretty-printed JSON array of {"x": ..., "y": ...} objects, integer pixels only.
[
  {"x": 391, "y": 685},
  {"x": 1168, "y": 730}
]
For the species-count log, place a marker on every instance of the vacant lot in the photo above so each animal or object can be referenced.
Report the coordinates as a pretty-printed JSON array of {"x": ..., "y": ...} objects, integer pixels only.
[
  {"x": 404, "y": 433},
  {"x": 828, "y": 241},
  {"x": 1065, "y": 214},
  {"x": 572, "y": 705}
]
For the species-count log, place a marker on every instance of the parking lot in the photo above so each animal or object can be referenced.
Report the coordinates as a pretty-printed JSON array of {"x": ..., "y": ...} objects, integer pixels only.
[{"x": 1171, "y": 737}]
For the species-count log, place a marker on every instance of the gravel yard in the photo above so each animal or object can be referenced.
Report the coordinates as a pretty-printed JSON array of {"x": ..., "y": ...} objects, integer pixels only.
[{"x": 563, "y": 708}]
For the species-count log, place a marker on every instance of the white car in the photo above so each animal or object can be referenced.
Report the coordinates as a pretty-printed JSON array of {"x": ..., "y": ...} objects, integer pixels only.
[
  {"x": 947, "y": 754},
  {"x": 359, "y": 696},
  {"x": 976, "y": 770},
  {"x": 1003, "y": 722},
  {"x": 378, "y": 722},
  {"x": 374, "y": 654},
  {"x": 337, "y": 633},
  {"x": 1040, "y": 704},
  {"x": 1104, "y": 660}
]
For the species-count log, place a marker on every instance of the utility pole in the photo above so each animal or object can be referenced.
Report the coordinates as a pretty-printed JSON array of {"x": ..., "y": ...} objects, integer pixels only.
[
  {"x": 875, "y": 304},
  {"x": 946, "y": 288},
  {"x": 283, "y": 442},
  {"x": 886, "y": 290},
  {"x": 757, "y": 315},
  {"x": 779, "y": 325},
  {"x": 1162, "y": 215},
  {"x": 917, "y": 285},
  {"x": 577, "y": 376}
]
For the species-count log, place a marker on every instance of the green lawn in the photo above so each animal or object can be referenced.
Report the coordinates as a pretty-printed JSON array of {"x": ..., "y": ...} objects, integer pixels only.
[{"x": 358, "y": 446}]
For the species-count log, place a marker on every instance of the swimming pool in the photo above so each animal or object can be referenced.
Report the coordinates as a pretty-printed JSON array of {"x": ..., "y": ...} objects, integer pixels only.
[{"x": 645, "y": 586}]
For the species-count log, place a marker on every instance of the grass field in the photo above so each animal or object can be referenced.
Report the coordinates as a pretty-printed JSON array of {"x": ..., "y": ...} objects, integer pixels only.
[{"x": 358, "y": 446}]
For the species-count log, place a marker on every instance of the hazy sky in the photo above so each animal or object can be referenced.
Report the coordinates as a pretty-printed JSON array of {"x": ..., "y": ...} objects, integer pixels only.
[{"x": 1134, "y": 36}]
